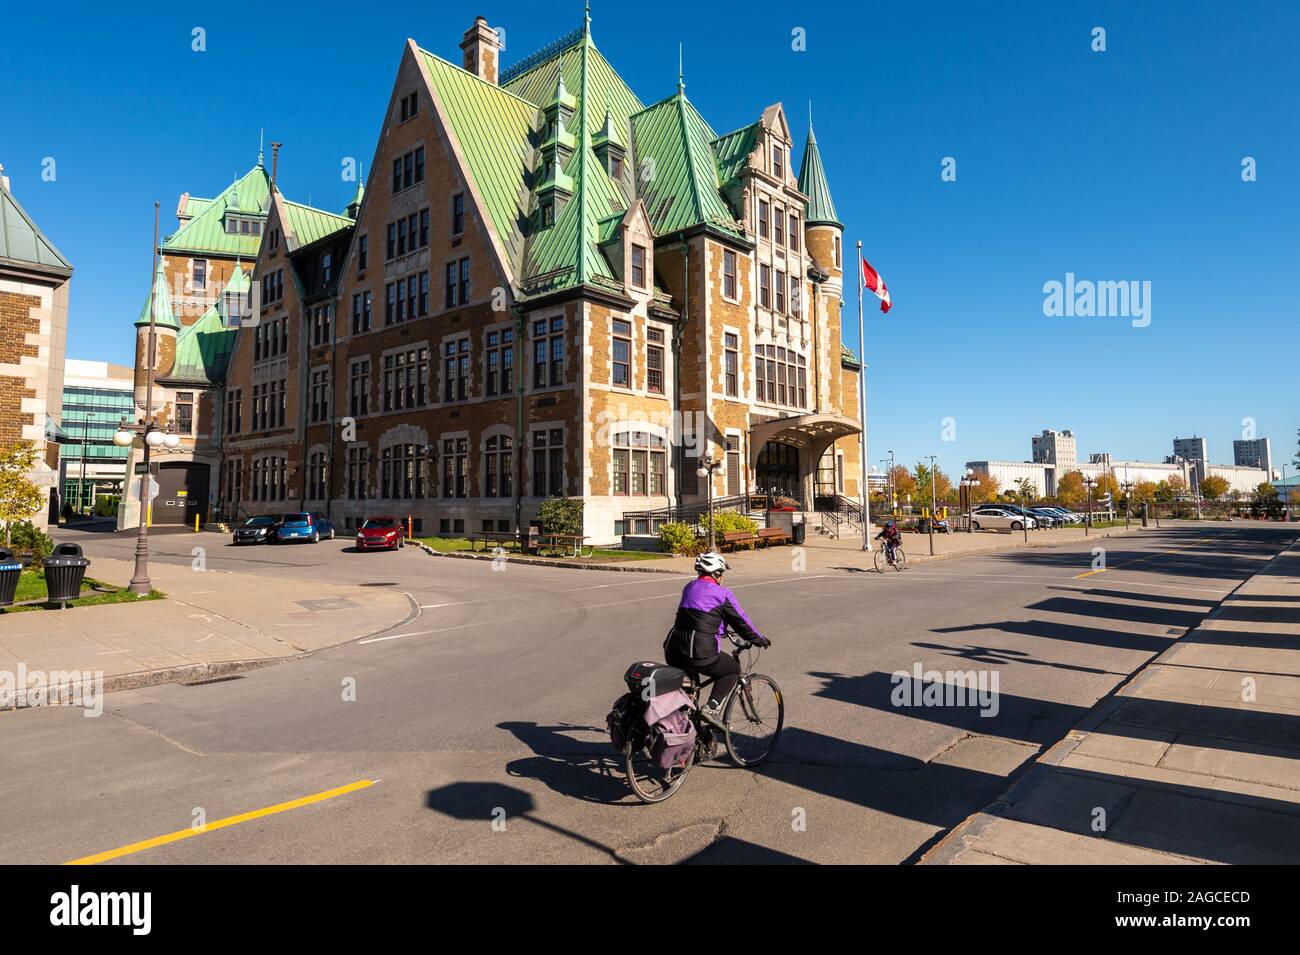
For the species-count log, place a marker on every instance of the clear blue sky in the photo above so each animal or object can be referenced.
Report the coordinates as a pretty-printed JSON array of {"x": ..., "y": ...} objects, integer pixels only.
[{"x": 1122, "y": 165}]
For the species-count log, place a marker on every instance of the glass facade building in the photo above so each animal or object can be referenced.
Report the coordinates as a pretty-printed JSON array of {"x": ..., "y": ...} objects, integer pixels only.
[{"x": 96, "y": 396}]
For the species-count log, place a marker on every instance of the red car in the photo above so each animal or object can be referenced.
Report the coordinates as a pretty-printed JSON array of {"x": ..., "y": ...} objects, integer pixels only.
[{"x": 380, "y": 533}]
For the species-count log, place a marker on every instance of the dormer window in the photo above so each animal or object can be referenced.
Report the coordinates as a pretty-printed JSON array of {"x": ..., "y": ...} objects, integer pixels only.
[
  {"x": 548, "y": 215},
  {"x": 615, "y": 166},
  {"x": 238, "y": 225},
  {"x": 778, "y": 161}
]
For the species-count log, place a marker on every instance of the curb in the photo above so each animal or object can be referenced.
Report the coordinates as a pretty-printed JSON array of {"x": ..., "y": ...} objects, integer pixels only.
[{"x": 542, "y": 562}]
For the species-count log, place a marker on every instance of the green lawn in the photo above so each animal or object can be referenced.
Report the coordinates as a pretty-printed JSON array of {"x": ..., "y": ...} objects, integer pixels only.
[
  {"x": 31, "y": 586},
  {"x": 448, "y": 544}
]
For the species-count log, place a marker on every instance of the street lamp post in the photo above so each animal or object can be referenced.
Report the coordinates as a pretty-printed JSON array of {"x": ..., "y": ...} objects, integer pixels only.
[
  {"x": 1128, "y": 492},
  {"x": 81, "y": 490},
  {"x": 1089, "y": 482},
  {"x": 705, "y": 470},
  {"x": 151, "y": 436},
  {"x": 930, "y": 522},
  {"x": 969, "y": 483}
]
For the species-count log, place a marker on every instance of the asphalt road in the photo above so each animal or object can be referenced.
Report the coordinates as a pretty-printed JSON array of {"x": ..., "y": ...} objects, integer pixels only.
[{"x": 480, "y": 724}]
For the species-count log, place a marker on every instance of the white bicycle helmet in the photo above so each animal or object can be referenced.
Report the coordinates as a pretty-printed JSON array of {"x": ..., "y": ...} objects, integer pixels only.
[{"x": 711, "y": 563}]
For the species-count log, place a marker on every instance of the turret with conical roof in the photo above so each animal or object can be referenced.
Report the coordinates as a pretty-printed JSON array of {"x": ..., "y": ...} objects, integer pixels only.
[
  {"x": 812, "y": 183},
  {"x": 158, "y": 307}
]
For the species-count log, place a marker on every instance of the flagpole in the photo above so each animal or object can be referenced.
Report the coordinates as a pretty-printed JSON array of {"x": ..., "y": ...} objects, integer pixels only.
[{"x": 862, "y": 411}]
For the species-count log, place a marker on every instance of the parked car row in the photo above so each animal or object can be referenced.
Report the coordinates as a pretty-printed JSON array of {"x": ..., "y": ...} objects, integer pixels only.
[
  {"x": 283, "y": 528},
  {"x": 1015, "y": 517}
]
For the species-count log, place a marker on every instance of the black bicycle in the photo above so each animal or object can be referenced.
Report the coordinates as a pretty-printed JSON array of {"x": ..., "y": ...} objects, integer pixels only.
[
  {"x": 887, "y": 558},
  {"x": 753, "y": 714}
]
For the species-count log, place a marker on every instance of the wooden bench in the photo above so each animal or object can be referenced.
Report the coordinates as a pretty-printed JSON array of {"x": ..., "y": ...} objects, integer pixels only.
[
  {"x": 734, "y": 539},
  {"x": 773, "y": 535}
]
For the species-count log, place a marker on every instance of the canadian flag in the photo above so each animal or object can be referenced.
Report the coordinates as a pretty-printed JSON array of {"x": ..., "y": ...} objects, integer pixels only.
[{"x": 871, "y": 279}]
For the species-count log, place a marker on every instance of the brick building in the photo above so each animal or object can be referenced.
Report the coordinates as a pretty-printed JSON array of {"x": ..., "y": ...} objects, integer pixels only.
[
  {"x": 34, "y": 287},
  {"x": 548, "y": 288},
  {"x": 199, "y": 289}
]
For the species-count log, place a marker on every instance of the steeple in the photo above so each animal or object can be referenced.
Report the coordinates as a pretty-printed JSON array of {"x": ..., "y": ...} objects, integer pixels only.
[
  {"x": 812, "y": 183},
  {"x": 162, "y": 313},
  {"x": 354, "y": 207}
]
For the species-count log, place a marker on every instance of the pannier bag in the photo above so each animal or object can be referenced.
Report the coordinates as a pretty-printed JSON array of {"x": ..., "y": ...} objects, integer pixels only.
[
  {"x": 624, "y": 722},
  {"x": 671, "y": 732},
  {"x": 649, "y": 680}
]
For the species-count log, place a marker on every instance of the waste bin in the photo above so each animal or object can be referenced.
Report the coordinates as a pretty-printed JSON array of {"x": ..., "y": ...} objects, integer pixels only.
[
  {"x": 923, "y": 525},
  {"x": 65, "y": 569},
  {"x": 798, "y": 528},
  {"x": 10, "y": 570}
]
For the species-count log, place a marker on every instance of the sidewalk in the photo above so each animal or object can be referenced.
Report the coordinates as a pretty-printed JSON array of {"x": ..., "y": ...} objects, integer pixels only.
[
  {"x": 821, "y": 553},
  {"x": 211, "y": 623},
  {"x": 1197, "y": 759}
]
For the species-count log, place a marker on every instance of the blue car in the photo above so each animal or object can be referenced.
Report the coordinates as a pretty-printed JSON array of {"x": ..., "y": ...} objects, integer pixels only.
[{"x": 304, "y": 526}]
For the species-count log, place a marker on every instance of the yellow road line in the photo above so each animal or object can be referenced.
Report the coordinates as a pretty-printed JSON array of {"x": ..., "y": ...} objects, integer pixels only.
[
  {"x": 220, "y": 824},
  {"x": 1139, "y": 560}
]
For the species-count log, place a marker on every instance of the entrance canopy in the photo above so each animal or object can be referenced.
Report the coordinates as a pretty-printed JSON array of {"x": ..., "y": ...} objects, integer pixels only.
[{"x": 815, "y": 432}]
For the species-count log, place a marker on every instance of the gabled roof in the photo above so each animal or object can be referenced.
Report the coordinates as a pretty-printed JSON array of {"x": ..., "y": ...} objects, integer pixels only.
[
  {"x": 812, "y": 183},
  {"x": 22, "y": 243},
  {"x": 492, "y": 129},
  {"x": 203, "y": 349},
  {"x": 206, "y": 231},
  {"x": 304, "y": 225},
  {"x": 732, "y": 152},
  {"x": 163, "y": 316}
]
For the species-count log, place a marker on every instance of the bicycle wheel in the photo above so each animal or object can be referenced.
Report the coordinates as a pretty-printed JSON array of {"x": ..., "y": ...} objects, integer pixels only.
[
  {"x": 650, "y": 783},
  {"x": 881, "y": 561},
  {"x": 900, "y": 559},
  {"x": 754, "y": 715}
]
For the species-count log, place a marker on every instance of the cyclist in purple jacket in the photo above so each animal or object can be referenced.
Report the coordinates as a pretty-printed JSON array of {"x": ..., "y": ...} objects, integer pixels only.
[{"x": 695, "y": 642}]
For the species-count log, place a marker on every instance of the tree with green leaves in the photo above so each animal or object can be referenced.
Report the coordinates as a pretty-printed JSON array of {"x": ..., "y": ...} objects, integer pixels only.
[{"x": 20, "y": 497}]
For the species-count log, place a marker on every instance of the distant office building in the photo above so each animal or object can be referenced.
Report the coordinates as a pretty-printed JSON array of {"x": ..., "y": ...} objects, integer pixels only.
[
  {"x": 1056, "y": 447},
  {"x": 1254, "y": 453},
  {"x": 96, "y": 396},
  {"x": 1009, "y": 474},
  {"x": 1193, "y": 451}
]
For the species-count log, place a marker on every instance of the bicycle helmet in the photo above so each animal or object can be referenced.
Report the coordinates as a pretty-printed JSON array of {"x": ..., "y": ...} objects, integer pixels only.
[{"x": 711, "y": 564}]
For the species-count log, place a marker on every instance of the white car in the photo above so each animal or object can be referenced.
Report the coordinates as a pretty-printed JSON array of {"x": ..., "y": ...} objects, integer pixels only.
[{"x": 995, "y": 518}]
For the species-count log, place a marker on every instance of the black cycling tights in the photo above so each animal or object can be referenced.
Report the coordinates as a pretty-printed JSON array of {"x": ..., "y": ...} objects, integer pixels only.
[{"x": 724, "y": 667}]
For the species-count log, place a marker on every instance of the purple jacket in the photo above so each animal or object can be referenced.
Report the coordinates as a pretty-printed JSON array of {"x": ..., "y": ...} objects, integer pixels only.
[{"x": 709, "y": 607}]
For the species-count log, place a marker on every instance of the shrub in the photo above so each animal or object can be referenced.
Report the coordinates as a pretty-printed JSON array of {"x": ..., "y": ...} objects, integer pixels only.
[
  {"x": 725, "y": 522},
  {"x": 561, "y": 515},
  {"x": 679, "y": 538},
  {"x": 25, "y": 538}
]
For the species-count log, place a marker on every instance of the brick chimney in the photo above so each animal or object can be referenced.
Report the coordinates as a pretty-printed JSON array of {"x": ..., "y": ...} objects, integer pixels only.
[{"x": 482, "y": 49}]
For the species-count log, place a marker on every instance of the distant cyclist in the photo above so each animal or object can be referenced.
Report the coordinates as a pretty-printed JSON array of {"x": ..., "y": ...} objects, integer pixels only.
[
  {"x": 891, "y": 537},
  {"x": 694, "y": 643}
]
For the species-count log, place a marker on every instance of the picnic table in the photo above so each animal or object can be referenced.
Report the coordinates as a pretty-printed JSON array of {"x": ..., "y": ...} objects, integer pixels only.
[
  {"x": 493, "y": 538},
  {"x": 567, "y": 545}
]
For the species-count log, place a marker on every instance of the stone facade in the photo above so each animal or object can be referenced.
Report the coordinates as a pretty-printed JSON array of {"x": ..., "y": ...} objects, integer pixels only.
[{"x": 473, "y": 405}]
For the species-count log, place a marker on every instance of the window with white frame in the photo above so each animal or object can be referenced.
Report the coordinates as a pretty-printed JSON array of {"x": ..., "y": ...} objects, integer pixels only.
[
  {"x": 621, "y": 354},
  {"x": 640, "y": 461},
  {"x": 548, "y": 352}
]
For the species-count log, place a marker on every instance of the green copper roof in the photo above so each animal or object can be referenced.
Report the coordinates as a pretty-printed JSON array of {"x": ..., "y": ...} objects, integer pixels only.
[
  {"x": 163, "y": 317},
  {"x": 732, "y": 152},
  {"x": 307, "y": 225},
  {"x": 206, "y": 231},
  {"x": 492, "y": 128},
  {"x": 812, "y": 183},
  {"x": 23, "y": 244},
  {"x": 676, "y": 169},
  {"x": 203, "y": 349}
]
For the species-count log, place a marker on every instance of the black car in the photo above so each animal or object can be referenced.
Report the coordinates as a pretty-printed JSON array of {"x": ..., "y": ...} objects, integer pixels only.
[{"x": 258, "y": 530}]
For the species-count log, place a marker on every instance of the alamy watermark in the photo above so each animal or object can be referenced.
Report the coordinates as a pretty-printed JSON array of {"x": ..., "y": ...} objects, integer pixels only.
[
  {"x": 84, "y": 688},
  {"x": 1084, "y": 298},
  {"x": 976, "y": 689}
]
